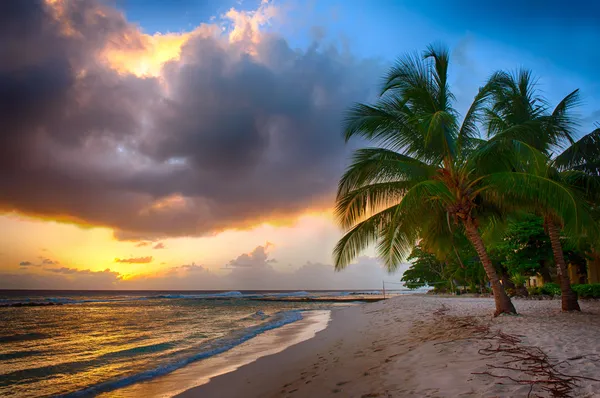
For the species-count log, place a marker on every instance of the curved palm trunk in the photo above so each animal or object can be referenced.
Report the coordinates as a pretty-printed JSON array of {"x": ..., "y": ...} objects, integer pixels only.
[
  {"x": 503, "y": 303},
  {"x": 568, "y": 296}
]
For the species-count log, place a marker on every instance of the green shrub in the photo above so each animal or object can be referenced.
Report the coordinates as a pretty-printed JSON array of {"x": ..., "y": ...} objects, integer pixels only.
[
  {"x": 588, "y": 290},
  {"x": 534, "y": 290},
  {"x": 518, "y": 279},
  {"x": 551, "y": 289}
]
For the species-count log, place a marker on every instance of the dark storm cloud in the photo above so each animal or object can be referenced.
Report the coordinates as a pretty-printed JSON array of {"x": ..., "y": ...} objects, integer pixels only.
[{"x": 238, "y": 138}]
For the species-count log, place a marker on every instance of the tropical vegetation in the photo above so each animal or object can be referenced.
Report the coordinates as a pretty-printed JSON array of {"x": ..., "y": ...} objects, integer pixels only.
[{"x": 431, "y": 184}]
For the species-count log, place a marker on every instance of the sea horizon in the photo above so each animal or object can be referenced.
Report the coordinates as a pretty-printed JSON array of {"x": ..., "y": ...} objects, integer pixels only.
[{"x": 88, "y": 342}]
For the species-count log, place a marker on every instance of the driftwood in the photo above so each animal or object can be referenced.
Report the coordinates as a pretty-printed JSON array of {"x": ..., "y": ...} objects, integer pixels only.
[
  {"x": 441, "y": 311},
  {"x": 521, "y": 364},
  {"x": 529, "y": 365}
]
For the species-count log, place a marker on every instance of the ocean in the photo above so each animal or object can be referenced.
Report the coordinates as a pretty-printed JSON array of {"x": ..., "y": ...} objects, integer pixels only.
[{"x": 92, "y": 343}]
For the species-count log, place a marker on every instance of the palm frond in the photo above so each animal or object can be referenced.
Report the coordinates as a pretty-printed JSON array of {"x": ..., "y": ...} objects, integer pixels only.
[
  {"x": 469, "y": 131},
  {"x": 360, "y": 237},
  {"x": 371, "y": 165},
  {"x": 540, "y": 194},
  {"x": 501, "y": 154},
  {"x": 399, "y": 237},
  {"x": 588, "y": 184},
  {"x": 585, "y": 150},
  {"x": 409, "y": 74},
  {"x": 359, "y": 203},
  {"x": 395, "y": 228},
  {"x": 563, "y": 123},
  {"x": 441, "y": 58}
]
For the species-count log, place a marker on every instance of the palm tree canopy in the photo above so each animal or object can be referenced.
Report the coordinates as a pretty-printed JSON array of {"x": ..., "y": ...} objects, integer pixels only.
[
  {"x": 428, "y": 169},
  {"x": 582, "y": 155},
  {"x": 518, "y": 111}
]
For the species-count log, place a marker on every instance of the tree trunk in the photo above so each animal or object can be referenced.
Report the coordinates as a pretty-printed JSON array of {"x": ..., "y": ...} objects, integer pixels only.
[
  {"x": 503, "y": 303},
  {"x": 568, "y": 296},
  {"x": 506, "y": 282},
  {"x": 545, "y": 272}
]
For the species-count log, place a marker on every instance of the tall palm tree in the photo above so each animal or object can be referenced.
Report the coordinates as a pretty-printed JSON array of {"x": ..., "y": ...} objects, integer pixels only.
[
  {"x": 429, "y": 173},
  {"x": 519, "y": 112},
  {"x": 576, "y": 167},
  {"x": 416, "y": 182}
]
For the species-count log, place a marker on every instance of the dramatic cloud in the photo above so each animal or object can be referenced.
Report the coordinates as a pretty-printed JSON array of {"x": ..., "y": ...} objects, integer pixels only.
[
  {"x": 237, "y": 129},
  {"x": 134, "y": 260},
  {"x": 25, "y": 263},
  {"x": 159, "y": 245},
  {"x": 256, "y": 258}
]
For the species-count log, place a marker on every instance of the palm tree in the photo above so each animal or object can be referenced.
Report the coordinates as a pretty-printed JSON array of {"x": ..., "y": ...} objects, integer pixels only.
[
  {"x": 428, "y": 173},
  {"x": 417, "y": 182},
  {"x": 519, "y": 112},
  {"x": 576, "y": 167}
]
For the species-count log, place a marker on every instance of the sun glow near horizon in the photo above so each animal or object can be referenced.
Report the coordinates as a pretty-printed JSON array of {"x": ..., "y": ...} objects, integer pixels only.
[{"x": 30, "y": 240}]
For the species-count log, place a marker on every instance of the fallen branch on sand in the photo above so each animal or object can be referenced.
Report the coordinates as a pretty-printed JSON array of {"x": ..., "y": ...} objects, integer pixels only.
[
  {"x": 441, "y": 311},
  {"x": 529, "y": 366},
  {"x": 521, "y": 364}
]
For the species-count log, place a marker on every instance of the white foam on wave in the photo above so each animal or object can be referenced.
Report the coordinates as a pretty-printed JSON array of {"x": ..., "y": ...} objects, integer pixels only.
[
  {"x": 289, "y": 294},
  {"x": 66, "y": 300},
  {"x": 207, "y": 350},
  {"x": 200, "y": 296}
]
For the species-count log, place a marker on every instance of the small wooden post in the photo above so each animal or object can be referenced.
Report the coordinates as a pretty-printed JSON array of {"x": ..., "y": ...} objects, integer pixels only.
[{"x": 383, "y": 282}]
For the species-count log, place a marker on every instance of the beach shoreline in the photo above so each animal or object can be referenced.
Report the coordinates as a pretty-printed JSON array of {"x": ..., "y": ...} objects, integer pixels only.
[
  {"x": 418, "y": 346},
  {"x": 197, "y": 373}
]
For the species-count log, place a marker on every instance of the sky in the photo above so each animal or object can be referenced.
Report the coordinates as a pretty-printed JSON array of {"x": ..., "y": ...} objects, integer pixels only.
[{"x": 196, "y": 144}]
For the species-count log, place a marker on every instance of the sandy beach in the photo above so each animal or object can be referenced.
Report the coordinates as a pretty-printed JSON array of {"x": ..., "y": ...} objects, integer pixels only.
[{"x": 426, "y": 346}]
